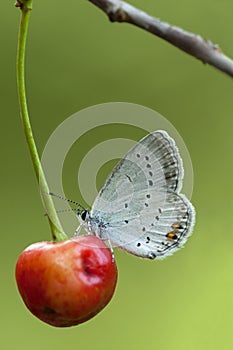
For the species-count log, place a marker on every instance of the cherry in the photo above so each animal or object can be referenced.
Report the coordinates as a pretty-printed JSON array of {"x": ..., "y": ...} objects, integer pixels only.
[{"x": 66, "y": 283}]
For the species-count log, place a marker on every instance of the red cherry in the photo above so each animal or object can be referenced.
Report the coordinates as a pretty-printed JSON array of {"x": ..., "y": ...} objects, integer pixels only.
[{"x": 66, "y": 283}]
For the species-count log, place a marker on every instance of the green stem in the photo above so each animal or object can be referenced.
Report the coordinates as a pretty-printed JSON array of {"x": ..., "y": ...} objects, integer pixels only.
[{"x": 57, "y": 234}]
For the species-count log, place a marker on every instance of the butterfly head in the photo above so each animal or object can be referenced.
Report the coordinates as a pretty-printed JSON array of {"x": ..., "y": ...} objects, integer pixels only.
[{"x": 83, "y": 216}]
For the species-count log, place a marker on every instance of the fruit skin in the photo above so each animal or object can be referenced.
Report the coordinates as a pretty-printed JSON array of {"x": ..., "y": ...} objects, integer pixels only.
[{"x": 66, "y": 283}]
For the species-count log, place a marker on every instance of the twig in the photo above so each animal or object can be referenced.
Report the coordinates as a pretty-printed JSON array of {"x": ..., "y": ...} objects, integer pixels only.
[{"x": 194, "y": 45}]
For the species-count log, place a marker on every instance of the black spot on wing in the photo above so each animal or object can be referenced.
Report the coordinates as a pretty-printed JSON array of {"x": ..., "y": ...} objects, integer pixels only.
[{"x": 129, "y": 178}]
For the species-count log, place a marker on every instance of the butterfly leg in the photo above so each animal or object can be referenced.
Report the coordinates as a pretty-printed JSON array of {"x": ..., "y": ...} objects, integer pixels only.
[
  {"x": 77, "y": 231},
  {"x": 111, "y": 248}
]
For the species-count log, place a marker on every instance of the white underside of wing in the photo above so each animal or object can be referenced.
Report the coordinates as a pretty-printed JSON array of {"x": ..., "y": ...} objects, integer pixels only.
[{"x": 139, "y": 207}]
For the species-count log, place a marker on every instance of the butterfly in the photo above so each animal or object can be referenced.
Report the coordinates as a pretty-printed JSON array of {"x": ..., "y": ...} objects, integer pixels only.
[{"x": 140, "y": 208}]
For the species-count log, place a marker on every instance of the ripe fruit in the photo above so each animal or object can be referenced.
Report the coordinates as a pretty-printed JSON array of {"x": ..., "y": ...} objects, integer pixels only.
[{"x": 66, "y": 283}]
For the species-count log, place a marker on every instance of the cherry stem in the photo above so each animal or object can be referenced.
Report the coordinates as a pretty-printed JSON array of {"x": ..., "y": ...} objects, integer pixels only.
[{"x": 55, "y": 226}]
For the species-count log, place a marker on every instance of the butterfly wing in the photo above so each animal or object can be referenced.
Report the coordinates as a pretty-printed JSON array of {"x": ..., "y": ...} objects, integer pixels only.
[
  {"x": 157, "y": 238},
  {"x": 139, "y": 208}
]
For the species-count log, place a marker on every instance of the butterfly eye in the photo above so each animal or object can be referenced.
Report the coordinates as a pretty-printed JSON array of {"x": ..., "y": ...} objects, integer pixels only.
[{"x": 83, "y": 215}]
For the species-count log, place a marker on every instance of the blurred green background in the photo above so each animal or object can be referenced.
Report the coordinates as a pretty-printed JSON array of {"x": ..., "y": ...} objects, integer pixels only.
[{"x": 75, "y": 59}]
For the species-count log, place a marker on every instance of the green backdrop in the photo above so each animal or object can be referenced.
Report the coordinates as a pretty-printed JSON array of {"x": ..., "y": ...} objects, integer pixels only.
[{"x": 75, "y": 59}]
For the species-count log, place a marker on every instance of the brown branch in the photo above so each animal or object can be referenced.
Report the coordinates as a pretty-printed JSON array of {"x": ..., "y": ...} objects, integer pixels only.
[{"x": 194, "y": 45}]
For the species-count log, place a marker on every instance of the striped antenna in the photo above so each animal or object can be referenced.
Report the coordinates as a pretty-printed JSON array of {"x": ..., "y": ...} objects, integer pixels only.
[
  {"x": 67, "y": 200},
  {"x": 65, "y": 211}
]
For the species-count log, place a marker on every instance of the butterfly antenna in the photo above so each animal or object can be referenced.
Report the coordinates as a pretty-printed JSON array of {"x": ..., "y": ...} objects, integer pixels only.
[
  {"x": 66, "y": 211},
  {"x": 67, "y": 200}
]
